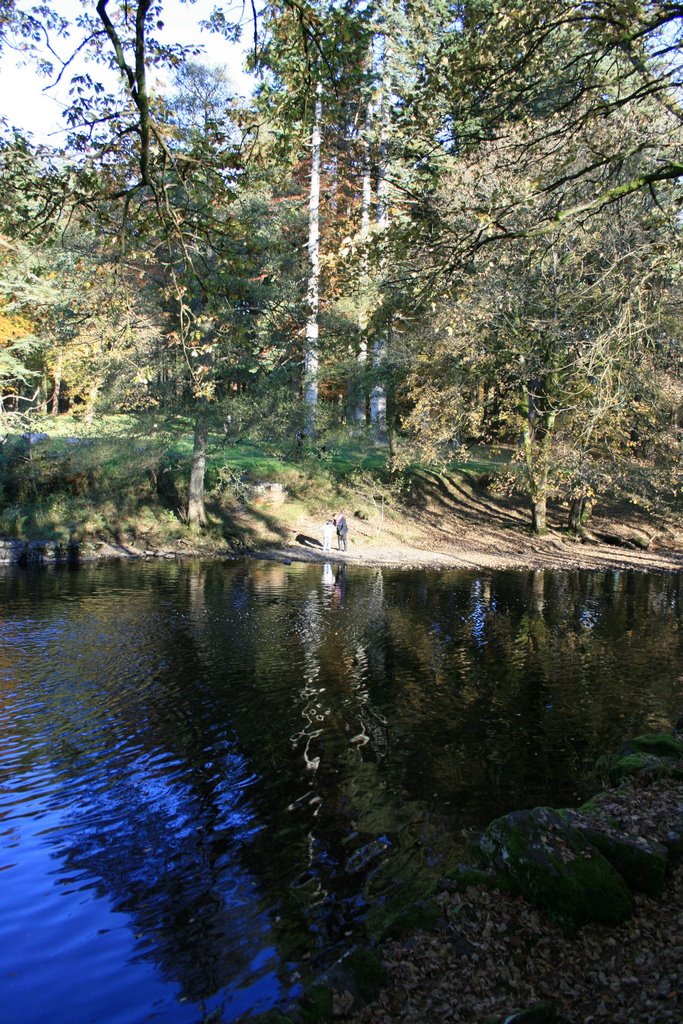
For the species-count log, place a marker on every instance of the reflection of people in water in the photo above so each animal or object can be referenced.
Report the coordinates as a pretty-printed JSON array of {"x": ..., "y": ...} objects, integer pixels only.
[
  {"x": 328, "y": 575},
  {"x": 339, "y": 588}
]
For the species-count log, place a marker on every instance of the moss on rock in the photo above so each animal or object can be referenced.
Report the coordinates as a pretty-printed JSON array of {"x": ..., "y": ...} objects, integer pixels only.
[
  {"x": 555, "y": 867},
  {"x": 641, "y": 864},
  {"x": 645, "y": 767},
  {"x": 661, "y": 744}
]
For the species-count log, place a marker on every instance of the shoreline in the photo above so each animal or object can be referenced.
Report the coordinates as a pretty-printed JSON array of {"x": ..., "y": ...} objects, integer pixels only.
[
  {"x": 525, "y": 553},
  {"x": 598, "y": 559},
  {"x": 453, "y": 524}
]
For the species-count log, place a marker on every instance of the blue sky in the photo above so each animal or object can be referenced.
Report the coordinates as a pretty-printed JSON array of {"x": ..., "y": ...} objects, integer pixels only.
[{"x": 25, "y": 102}]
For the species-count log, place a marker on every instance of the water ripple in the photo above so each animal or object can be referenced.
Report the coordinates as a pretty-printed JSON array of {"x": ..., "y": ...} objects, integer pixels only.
[{"x": 211, "y": 772}]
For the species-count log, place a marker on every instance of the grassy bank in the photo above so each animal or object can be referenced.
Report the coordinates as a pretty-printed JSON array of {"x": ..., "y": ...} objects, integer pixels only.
[{"x": 124, "y": 479}]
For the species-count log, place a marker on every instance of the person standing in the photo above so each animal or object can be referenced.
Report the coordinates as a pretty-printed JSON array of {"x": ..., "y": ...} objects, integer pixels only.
[
  {"x": 328, "y": 531},
  {"x": 342, "y": 531}
]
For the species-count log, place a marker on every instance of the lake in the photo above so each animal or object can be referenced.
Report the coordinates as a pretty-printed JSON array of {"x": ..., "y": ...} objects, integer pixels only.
[{"x": 211, "y": 773}]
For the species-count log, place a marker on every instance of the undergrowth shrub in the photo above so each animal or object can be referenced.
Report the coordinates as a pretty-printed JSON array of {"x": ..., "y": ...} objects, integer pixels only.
[
  {"x": 80, "y": 486},
  {"x": 13, "y": 520}
]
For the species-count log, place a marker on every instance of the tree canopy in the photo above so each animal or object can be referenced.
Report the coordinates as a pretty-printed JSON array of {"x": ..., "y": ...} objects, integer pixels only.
[{"x": 460, "y": 222}]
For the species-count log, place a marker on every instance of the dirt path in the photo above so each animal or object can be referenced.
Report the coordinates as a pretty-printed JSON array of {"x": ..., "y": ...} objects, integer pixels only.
[
  {"x": 486, "y": 534},
  {"x": 455, "y": 522}
]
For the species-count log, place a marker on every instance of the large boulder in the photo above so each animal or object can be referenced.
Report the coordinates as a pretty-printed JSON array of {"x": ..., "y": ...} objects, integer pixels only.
[
  {"x": 543, "y": 858},
  {"x": 640, "y": 863}
]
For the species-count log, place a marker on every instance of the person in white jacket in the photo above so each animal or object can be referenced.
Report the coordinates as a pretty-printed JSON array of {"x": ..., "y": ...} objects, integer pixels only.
[{"x": 328, "y": 533}]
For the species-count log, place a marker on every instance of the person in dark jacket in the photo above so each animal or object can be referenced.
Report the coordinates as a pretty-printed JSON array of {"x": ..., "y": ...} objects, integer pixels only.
[{"x": 342, "y": 531}]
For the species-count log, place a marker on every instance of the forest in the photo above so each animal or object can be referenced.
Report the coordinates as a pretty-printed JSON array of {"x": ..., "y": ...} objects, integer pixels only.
[{"x": 434, "y": 229}]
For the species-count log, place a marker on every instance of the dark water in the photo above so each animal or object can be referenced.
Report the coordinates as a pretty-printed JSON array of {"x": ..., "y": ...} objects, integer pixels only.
[{"x": 209, "y": 772}]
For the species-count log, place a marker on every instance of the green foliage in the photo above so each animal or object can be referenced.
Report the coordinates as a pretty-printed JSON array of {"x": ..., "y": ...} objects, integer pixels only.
[
  {"x": 659, "y": 744},
  {"x": 84, "y": 483},
  {"x": 643, "y": 767},
  {"x": 126, "y": 476},
  {"x": 546, "y": 343},
  {"x": 517, "y": 269}
]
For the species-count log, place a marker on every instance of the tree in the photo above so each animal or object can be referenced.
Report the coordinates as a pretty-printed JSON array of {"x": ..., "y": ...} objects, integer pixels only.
[
  {"x": 526, "y": 76},
  {"x": 310, "y": 376},
  {"x": 402, "y": 37},
  {"x": 552, "y": 331},
  {"x": 310, "y": 58},
  {"x": 135, "y": 171}
]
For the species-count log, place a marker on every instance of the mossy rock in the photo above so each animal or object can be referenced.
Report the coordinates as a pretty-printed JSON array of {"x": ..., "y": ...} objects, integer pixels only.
[
  {"x": 644, "y": 767},
  {"x": 660, "y": 744},
  {"x": 462, "y": 876},
  {"x": 641, "y": 864},
  {"x": 551, "y": 864}
]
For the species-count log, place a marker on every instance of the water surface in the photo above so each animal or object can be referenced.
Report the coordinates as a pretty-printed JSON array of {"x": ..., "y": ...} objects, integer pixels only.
[{"x": 209, "y": 772}]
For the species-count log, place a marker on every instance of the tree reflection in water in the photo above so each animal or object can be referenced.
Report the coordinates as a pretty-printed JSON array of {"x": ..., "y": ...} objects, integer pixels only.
[{"x": 237, "y": 756}]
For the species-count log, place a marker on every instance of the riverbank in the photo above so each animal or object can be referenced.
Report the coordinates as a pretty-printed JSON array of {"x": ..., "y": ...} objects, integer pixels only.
[
  {"x": 117, "y": 489},
  {"x": 467, "y": 547},
  {"x": 449, "y": 523},
  {"x": 481, "y": 552},
  {"x": 493, "y": 945},
  {"x": 488, "y": 956},
  {"x": 497, "y": 955},
  {"x": 455, "y": 522}
]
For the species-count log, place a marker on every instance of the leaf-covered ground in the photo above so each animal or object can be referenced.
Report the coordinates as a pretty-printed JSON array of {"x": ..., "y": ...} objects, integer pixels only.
[{"x": 497, "y": 954}]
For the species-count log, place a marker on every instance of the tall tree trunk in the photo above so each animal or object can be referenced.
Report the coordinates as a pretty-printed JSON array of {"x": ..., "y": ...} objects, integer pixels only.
[
  {"x": 43, "y": 394},
  {"x": 378, "y": 395},
  {"x": 384, "y": 129},
  {"x": 312, "y": 292},
  {"x": 538, "y": 438},
  {"x": 93, "y": 395},
  {"x": 196, "y": 511},
  {"x": 579, "y": 512},
  {"x": 539, "y": 507},
  {"x": 378, "y": 398},
  {"x": 58, "y": 385},
  {"x": 366, "y": 200}
]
